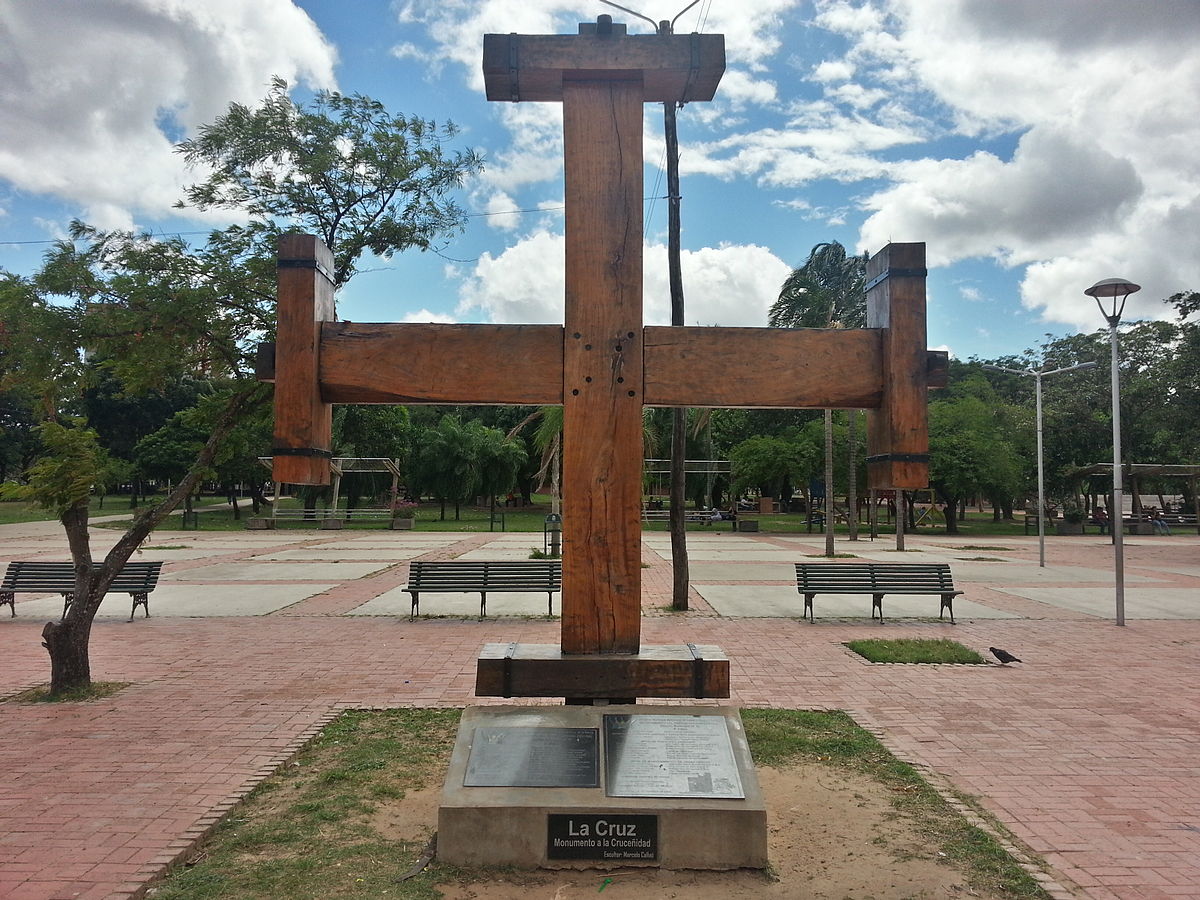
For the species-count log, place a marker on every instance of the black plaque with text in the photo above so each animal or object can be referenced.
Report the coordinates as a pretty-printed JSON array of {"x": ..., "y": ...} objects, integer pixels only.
[
  {"x": 534, "y": 757},
  {"x": 612, "y": 836}
]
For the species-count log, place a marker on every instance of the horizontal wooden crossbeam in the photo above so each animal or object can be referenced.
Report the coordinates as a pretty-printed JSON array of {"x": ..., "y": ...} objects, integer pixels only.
[
  {"x": 682, "y": 68},
  {"x": 523, "y": 365}
]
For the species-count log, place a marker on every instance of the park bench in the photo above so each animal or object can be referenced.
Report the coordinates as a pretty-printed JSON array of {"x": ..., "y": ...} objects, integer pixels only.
[
  {"x": 137, "y": 579},
  {"x": 485, "y": 576},
  {"x": 692, "y": 515},
  {"x": 876, "y": 579}
]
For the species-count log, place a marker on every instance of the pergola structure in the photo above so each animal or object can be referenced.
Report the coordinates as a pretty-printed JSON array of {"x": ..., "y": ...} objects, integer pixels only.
[
  {"x": 1135, "y": 471},
  {"x": 339, "y": 466}
]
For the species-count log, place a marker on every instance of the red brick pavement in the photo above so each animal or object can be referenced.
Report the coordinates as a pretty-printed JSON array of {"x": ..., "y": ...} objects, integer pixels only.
[{"x": 1089, "y": 752}]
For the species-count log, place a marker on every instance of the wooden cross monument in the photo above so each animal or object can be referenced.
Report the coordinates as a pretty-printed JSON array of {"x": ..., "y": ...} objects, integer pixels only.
[{"x": 603, "y": 365}]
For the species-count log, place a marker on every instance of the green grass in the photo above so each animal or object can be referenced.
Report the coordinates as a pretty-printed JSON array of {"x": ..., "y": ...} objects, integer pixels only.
[
  {"x": 97, "y": 690},
  {"x": 915, "y": 650},
  {"x": 310, "y": 830}
]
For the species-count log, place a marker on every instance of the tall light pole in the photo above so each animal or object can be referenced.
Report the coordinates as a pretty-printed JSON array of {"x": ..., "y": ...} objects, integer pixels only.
[
  {"x": 1116, "y": 291},
  {"x": 1041, "y": 472}
]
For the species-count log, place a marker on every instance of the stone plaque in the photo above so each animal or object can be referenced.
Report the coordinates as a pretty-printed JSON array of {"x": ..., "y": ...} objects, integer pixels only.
[
  {"x": 534, "y": 757},
  {"x": 614, "y": 836},
  {"x": 670, "y": 756}
]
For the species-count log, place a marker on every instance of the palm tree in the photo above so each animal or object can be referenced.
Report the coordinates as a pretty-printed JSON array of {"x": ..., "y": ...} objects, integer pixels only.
[{"x": 826, "y": 292}]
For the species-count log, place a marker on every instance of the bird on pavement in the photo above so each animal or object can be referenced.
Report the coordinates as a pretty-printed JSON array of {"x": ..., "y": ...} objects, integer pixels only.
[{"x": 1003, "y": 655}]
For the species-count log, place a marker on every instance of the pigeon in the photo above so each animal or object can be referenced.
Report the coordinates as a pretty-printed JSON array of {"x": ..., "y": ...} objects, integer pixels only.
[{"x": 1003, "y": 655}]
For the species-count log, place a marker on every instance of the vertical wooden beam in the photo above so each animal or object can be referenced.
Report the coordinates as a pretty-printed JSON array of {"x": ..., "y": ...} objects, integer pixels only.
[
  {"x": 602, "y": 367},
  {"x": 898, "y": 432},
  {"x": 303, "y": 423}
]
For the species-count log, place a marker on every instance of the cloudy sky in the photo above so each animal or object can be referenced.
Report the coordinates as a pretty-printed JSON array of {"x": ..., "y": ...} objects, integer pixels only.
[{"x": 1036, "y": 147}]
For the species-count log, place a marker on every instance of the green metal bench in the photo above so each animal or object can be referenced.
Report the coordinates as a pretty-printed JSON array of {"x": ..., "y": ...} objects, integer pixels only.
[
  {"x": 485, "y": 576},
  {"x": 876, "y": 579},
  {"x": 137, "y": 579}
]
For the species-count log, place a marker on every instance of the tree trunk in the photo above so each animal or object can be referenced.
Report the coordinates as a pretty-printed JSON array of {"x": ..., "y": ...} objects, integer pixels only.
[
  {"x": 829, "y": 482},
  {"x": 678, "y": 522},
  {"x": 70, "y": 666},
  {"x": 852, "y": 489},
  {"x": 67, "y": 641}
]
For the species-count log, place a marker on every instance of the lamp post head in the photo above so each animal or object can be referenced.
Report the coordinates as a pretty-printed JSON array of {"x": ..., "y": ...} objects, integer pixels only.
[{"x": 1113, "y": 288}]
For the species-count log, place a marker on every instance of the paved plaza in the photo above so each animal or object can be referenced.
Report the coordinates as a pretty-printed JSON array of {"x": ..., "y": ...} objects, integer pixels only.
[{"x": 1088, "y": 752}]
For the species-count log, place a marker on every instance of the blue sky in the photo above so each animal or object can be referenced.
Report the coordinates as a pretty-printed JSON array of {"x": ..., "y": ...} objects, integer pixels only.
[{"x": 1035, "y": 147}]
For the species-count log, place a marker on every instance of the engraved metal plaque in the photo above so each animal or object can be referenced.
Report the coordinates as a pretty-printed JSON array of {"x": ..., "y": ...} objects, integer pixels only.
[
  {"x": 534, "y": 757},
  {"x": 670, "y": 756},
  {"x": 614, "y": 836}
]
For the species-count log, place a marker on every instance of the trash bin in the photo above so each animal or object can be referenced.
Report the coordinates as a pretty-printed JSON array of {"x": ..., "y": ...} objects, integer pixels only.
[{"x": 552, "y": 535}]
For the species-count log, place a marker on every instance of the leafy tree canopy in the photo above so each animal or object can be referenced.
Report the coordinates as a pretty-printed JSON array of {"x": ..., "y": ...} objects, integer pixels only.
[{"x": 341, "y": 167}]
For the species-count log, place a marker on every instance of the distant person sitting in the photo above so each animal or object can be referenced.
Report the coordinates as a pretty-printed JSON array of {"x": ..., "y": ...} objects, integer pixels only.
[
  {"x": 1100, "y": 518},
  {"x": 1159, "y": 523},
  {"x": 716, "y": 515}
]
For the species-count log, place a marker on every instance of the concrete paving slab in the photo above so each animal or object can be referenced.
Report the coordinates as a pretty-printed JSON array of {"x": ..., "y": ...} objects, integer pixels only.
[
  {"x": 393, "y": 554},
  {"x": 1140, "y": 603},
  {"x": 266, "y": 571},
  {"x": 741, "y": 571},
  {"x": 398, "y": 603},
  {"x": 499, "y": 551},
  {"x": 779, "y": 601},
  {"x": 190, "y": 601},
  {"x": 1031, "y": 573},
  {"x": 409, "y": 540},
  {"x": 1193, "y": 571},
  {"x": 750, "y": 554}
]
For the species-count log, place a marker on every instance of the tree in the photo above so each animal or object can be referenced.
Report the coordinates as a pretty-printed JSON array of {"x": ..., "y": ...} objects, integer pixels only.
[
  {"x": 768, "y": 463},
  {"x": 148, "y": 310},
  {"x": 343, "y": 168},
  {"x": 825, "y": 292}
]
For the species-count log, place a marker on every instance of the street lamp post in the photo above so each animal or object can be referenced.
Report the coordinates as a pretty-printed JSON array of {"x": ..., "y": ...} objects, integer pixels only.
[
  {"x": 1041, "y": 473},
  {"x": 1116, "y": 291}
]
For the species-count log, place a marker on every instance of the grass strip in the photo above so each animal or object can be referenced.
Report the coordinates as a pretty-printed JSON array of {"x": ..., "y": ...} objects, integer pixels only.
[{"x": 915, "y": 650}]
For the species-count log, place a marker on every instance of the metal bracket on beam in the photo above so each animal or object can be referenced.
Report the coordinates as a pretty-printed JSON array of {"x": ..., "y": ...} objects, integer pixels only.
[
  {"x": 306, "y": 264},
  {"x": 697, "y": 671},
  {"x": 899, "y": 273},
  {"x": 508, "y": 658},
  {"x": 899, "y": 457}
]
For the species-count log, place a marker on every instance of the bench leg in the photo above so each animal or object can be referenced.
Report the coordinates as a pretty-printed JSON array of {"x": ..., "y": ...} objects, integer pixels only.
[
  {"x": 877, "y": 606},
  {"x": 808, "y": 607},
  {"x": 416, "y": 606},
  {"x": 549, "y": 604},
  {"x": 9, "y": 597},
  {"x": 482, "y": 605},
  {"x": 144, "y": 600},
  {"x": 947, "y": 606},
  {"x": 67, "y": 598}
]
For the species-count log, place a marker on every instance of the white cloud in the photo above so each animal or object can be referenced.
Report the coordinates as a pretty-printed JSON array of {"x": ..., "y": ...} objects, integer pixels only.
[
  {"x": 727, "y": 285},
  {"x": 1105, "y": 180},
  {"x": 424, "y": 315},
  {"x": 96, "y": 125}
]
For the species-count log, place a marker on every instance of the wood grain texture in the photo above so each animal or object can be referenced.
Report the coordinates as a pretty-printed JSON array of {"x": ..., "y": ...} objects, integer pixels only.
[
  {"x": 901, "y": 425},
  {"x": 602, "y": 368},
  {"x": 303, "y": 420},
  {"x": 763, "y": 367},
  {"x": 541, "y": 670},
  {"x": 417, "y": 363},
  {"x": 681, "y": 67}
]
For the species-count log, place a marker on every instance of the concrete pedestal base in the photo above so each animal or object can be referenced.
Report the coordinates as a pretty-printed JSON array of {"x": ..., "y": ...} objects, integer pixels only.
[{"x": 514, "y": 826}]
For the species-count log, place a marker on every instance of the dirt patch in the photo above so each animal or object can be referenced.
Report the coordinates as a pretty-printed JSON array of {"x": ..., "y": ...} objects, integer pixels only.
[{"x": 831, "y": 834}]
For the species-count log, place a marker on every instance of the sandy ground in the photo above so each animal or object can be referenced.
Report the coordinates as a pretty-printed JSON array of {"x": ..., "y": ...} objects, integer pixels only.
[{"x": 831, "y": 835}]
